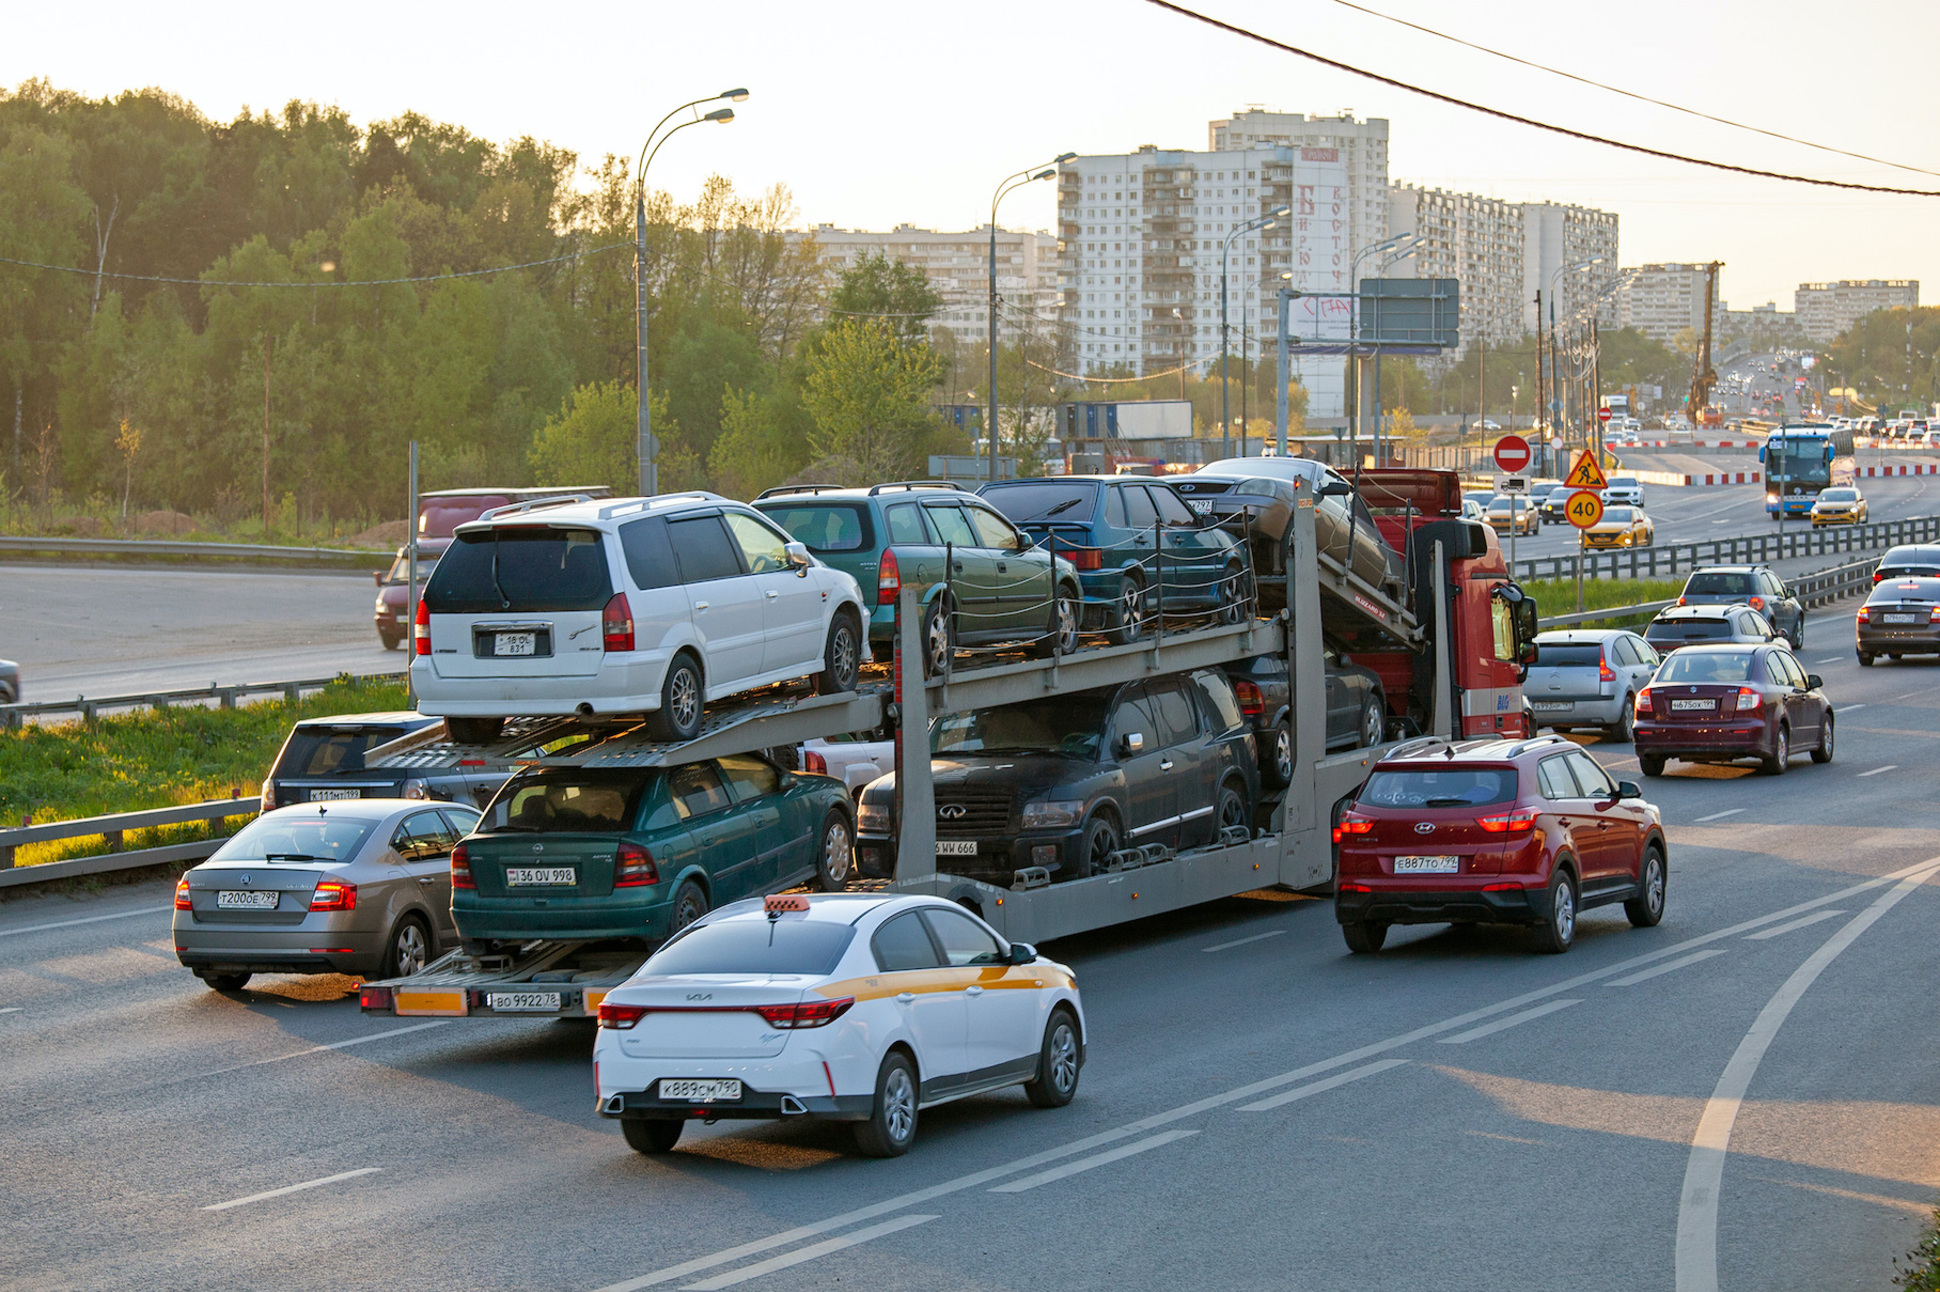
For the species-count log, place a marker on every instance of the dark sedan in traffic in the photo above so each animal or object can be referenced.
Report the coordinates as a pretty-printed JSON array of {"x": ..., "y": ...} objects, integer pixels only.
[
  {"x": 1900, "y": 617},
  {"x": 1677, "y": 627},
  {"x": 1056, "y": 788},
  {"x": 1723, "y": 703}
]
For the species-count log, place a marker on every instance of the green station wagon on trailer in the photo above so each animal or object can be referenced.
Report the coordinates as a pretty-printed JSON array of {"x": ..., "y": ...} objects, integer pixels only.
[{"x": 640, "y": 853}]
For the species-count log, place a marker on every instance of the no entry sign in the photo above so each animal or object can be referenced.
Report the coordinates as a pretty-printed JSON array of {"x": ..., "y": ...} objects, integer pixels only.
[
  {"x": 1511, "y": 454},
  {"x": 1603, "y": 414}
]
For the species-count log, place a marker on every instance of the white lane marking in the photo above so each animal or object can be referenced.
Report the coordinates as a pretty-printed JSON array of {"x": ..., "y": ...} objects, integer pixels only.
[
  {"x": 1315, "y": 1087},
  {"x": 1090, "y": 1163},
  {"x": 91, "y": 919},
  {"x": 1503, "y": 1024},
  {"x": 1257, "y": 937},
  {"x": 1371, "y": 1050},
  {"x": 1848, "y": 708},
  {"x": 1831, "y": 659},
  {"x": 1908, "y": 696},
  {"x": 1877, "y": 770},
  {"x": 12, "y": 1009},
  {"x": 293, "y": 1188},
  {"x": 1793, "y": 927},
  {"x": 1669, "y": 967},
  {"x": 1697, "y": 1208},
  {"x": 334, "y": 1045},
  {"x": 1718, "y": 816},
  {"x": 774, "y": 1263}
]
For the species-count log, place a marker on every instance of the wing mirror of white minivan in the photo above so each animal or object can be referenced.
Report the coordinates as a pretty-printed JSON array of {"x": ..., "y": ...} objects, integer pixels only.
[{"x": 798, "y": 558}]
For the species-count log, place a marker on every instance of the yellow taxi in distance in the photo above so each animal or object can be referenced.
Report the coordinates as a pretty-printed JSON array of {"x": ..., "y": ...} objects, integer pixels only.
[
  {"x": 1514, "y": 513},
  {"x": 1621, "y": 527},
  {"x": 1842, "y": 506}
]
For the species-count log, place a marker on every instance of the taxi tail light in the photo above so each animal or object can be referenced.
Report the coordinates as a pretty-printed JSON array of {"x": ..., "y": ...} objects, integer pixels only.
[
  {"x": 1521, "y": 821},
  {"x": 461, "y": 868},
  {"x": 621, "y": 1017},
  {"x": 805, "y": 1013},
  {"x": 421, "y": 630},
  {"x": 634, "y": 867},
  {"x": 1084, "y": 558},
  {"x": 1251, "y": 702},
  {"x": 1748, "y": 698},
  {"x": 814, "y": 762},
  {"x": 182, "y": 902},
  {"x": 1353, "y": 823},
  {"x": 889, "y": 579},
  {"x": 616, "y": 624},
  {"x": 1604, "y": 673},
  {"x": 334, "y": 895}
]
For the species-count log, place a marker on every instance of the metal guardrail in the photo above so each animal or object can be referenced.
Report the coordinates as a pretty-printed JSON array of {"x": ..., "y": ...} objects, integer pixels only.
[
  {"x": 114, "y": 828},
  {"x": 348, "y": 557},
  {"x": 1819, "y": 588},
  {"x": 1746, "y": 549},
  {"x": 12, "y": 715}
]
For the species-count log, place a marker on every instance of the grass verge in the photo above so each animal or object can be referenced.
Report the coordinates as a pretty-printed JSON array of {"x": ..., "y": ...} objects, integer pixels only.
[
  {"x": 1558, "y": 597},
  {"x": 1922, "y": 1272},
  {"x": 154, "y": 758}
]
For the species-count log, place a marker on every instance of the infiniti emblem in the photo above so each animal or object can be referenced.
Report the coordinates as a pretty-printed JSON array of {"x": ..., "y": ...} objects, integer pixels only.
[
  {"x": 1424, "y": 827},
  {"x": 952, "y": 811}
]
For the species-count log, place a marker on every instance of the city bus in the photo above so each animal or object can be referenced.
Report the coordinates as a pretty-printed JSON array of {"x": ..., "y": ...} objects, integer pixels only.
[{"x": 1802, "y": 460}]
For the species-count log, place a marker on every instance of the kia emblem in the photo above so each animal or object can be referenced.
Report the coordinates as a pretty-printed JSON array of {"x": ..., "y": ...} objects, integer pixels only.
[
  {"x": 1424, "y": 827},
  {"x": 952, "y": 811}
]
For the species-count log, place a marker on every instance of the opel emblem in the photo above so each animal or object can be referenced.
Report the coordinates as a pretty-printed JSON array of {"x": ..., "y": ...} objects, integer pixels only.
[
  {"x": 538, "y": 847},
  {"x": 952, "y": 811},
  {"x": 1424, "y": 827}
]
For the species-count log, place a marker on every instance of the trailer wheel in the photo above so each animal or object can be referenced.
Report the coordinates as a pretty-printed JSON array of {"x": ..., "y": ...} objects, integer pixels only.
[
  {"x": 690, "y": 903},
  {"x": 838, "y": 853},
  {"x": 656, "y": 1136}
]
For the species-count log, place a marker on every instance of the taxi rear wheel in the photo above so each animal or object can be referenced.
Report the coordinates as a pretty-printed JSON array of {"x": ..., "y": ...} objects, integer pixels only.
[
  {"x": 891, "y": 1127},
  {"x": 1057, "y": 1063},
  {"x": 657, "y": 1136}
]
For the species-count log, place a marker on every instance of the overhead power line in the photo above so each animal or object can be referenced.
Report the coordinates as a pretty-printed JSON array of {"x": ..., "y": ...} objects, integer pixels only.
[
  {"x": 1501, "y": 115},
  {"x": 324, "y": 282},
  {"x": 1628, "y": 94}
]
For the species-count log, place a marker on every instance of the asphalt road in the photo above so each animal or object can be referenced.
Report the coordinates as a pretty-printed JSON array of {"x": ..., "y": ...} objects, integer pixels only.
[{"x": 1260, "y": 1109}]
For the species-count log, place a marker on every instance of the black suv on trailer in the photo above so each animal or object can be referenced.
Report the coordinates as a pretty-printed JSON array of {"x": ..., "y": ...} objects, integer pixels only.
[{"x": 324, "y": 759}]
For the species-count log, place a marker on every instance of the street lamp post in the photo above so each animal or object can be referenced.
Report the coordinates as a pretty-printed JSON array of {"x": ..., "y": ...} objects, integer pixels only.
[
  {"x": 1010, "y": 182},
  {"x": 645, "y": 447},
  {"x": 1557, "y": 395},
  {"x": 1261, "y": 223}
]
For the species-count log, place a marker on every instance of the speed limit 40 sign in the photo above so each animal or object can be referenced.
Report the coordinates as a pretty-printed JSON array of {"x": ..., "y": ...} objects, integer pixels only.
[{"x": 1583, "y": 509}]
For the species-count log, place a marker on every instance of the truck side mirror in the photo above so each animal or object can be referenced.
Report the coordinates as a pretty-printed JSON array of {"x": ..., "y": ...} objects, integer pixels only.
[{"x": 1132, "y": 744}]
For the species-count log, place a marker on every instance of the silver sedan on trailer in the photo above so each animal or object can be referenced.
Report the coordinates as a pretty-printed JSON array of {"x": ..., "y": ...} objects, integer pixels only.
[{"x": 355, "y": 887}]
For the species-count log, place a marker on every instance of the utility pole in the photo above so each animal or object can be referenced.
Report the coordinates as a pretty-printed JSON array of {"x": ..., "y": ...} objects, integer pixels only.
[
  {"x": 266, "y": 350},
  {"x": 1542, "y": 391}
]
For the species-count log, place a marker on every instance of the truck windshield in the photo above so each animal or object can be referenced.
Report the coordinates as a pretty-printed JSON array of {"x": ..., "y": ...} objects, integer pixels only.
[
  {"x": 279, "y": 836},
  {"x": 748, "y": 946},
  {"x": 568, "y": 801},
  {"x": 522, "y": 569},
  {"x": 1410, "y": 787},
  {"x": 320, "y": 751},
  {"x": 1071, "y": 725},
  {"x": 1027, "y": 504}
]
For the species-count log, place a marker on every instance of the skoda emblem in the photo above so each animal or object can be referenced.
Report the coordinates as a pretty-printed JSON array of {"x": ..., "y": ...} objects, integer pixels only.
[
  {"x": 245, "y": 879},
  {"x": 1424, "y": 827},
  {"x": 952, "y": 811},
  {"x": 1693, "y": 690},
  {"x": 538, "y": 847}
]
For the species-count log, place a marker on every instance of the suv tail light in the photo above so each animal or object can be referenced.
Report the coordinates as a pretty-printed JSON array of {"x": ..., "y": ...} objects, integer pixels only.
[
  {"x": 461, "y": 867},
  {"x": 1353, "y": 823},
  {"x": 1747, "y": 698},
  {"x": 334, "y": 895},
  {"x": 889, "y": 579},
  {"x": 621, "y": 1017},
  {"x": 1521, "y": 821},
  {"x": 182, "y": 902},
  {"x": 1084, "y": 558},
  {"x": 806, "y": 1013},
  {"x": 634, "y": 868},
  {"x": 814, "y": 762},
  {"x": 1604, "y": 672},
  {"x": 1251, "y": 702},
  {"x": 616, "y": 624},
  {"x": 421, "y": 629}
]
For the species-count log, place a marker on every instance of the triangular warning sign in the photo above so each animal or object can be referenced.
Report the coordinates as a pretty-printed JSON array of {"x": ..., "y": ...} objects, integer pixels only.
[{"x": 1586, "y": 474}]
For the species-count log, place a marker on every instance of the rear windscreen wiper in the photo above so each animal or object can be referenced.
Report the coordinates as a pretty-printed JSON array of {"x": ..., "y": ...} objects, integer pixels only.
[
  {"x": 293, "y": 856},
  {"x": 504, "y": 602}
]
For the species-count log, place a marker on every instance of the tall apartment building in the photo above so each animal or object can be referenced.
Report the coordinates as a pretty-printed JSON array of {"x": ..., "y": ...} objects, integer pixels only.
[
  {"x": 1142, "y": 235},
  {"x": 958, "y": 265},
  {"x": 1827, "y": 309},
  {"x": 1361, "y": 147},
  {"x": 1556, "y": 237},
  {"x": 1660, "y": 301},
  {"x": 1476, "y": 240}
]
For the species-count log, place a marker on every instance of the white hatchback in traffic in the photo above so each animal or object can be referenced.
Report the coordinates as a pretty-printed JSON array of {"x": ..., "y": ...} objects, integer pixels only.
[
  {"x": 637, "y": 605},
  {"x": 856, "y": 1007}
]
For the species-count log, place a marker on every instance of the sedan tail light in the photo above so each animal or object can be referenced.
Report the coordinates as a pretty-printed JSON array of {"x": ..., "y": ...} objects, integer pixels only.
[
  {"x": 621, "y": 1017},
  {"x": 1353, "y": 823},
  {"x": 1084, "y": 558},
  {"x": 334, "y": 895},
  {"x": 814, "y": 762},
  {"x": 1521, "y": 821},
  {"x": 889, "y": 579},
  {"x": 635, "y": 867},
  {"x": 461, "y": 868},
  {"x": 1748, "y": 698},
  {"x": 182, "y": 894},
  {"x": 1865, "y": 615},
  {"x": 805, "y": 1013},
  {"x": 616, "y": 624},
  {"x": 1933, "y": 615},
  {"x": 421, "y": 629},
  {"x": 1251, "y": 702},
  {"x": 1642, "y": 709}
]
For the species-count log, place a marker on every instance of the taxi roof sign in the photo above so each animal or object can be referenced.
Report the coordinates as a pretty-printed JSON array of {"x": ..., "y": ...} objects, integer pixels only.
[
  {"x": 1587, "y": 473},
  {"x": 777, "y": 903}
]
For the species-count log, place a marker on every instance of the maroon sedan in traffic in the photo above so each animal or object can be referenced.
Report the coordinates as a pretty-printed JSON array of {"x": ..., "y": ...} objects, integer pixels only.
[{"x": 1720, "y": 704}]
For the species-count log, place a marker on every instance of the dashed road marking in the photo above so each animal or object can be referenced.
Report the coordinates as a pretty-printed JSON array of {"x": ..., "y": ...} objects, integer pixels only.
[
  {"x": 1783, "y": 929},
  {"x": 1240, "y": 942},
  {"x": 774, "y": 1263},
  {"x": 1668, "y": 967},
  {"x": 1718, "y": 816},
  {"x": 1503, "y": 1024},
  {"x": 293, "y": 1188},
  {"x": 1877, "y": 770},
  {"x": 91, "y": 919},
  {"x": 1315, "y": 1087},
  {"x": 1096, "y": 1160}
]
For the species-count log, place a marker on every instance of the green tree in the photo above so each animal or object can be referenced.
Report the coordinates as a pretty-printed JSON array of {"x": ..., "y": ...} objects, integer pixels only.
[
  {"x": 757, "y": 448},
  {"x": 592, "y": 439},
  {"x": 869, "y": 395},
  {"x": 899, "y": 296}
]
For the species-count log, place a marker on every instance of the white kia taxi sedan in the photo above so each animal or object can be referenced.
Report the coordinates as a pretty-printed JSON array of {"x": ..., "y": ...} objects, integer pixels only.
[{"x": 856, "y": 1007}]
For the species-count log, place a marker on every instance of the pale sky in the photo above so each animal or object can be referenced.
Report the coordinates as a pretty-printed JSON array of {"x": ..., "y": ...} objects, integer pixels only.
[{"x": 877, "y": 114}]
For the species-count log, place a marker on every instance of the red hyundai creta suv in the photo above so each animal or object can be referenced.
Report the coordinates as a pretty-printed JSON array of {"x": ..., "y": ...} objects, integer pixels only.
[{"x": 1495, "y": 832}]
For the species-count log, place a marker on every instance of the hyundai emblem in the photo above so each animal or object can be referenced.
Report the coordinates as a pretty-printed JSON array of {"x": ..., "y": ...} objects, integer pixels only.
[{"x": 1424, "y": 827}]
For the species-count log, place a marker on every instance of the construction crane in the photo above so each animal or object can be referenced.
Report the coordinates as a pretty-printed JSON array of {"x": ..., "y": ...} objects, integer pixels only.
[{"x": 1703, "y": 375}]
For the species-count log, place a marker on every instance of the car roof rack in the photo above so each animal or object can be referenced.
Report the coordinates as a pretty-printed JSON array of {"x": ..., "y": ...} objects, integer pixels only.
[
  {"x": 531, "y": 504},
  {"x": 780, "y": 490},
  {"x": 916, "y": 484},
  {"x": 1420, "y": 745},
  {"x": 1524, "y": 746}
]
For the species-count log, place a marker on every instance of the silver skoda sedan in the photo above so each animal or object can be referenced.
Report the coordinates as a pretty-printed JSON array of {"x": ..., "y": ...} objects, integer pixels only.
[{"x": 356, "y": 887}]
